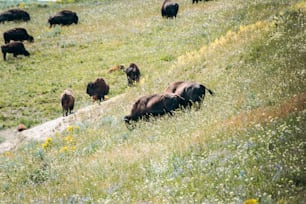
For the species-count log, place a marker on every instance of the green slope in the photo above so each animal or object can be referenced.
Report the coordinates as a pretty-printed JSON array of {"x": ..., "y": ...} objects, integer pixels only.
[{"x": 246, "y": 142}]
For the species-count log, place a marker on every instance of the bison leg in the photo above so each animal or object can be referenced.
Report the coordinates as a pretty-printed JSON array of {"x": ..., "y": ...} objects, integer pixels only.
[{"x": 4, "y": 55}]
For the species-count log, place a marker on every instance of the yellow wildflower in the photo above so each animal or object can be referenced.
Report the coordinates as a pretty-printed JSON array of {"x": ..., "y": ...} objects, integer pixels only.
[
  {"x": 48, "y": 140},
  {"x": 8, "y": 154},
  {"x": 21, "y": 5},
  {"x": 69, "y": 139},
  {"x": 44, "y": 145},
  {"x": 251, "y": 201},
  {"x": 47, "y": 143},
  {"x": 69, "y": 128},
  {"x": 64, "y": 149}
]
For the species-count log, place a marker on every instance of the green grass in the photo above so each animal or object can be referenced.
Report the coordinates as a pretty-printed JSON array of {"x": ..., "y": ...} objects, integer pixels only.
[{"x": 245, "y": 142}]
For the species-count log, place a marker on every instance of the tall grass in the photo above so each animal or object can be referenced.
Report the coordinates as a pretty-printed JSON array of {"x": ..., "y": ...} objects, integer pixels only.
[{"x": 246, "y": 142}]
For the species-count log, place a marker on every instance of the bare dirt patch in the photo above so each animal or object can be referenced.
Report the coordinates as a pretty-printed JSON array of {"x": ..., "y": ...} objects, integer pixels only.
[{"x": 11, "y": 138}]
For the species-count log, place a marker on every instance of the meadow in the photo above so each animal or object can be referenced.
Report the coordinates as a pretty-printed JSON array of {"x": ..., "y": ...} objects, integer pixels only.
[{"x": 246, "y": 143}]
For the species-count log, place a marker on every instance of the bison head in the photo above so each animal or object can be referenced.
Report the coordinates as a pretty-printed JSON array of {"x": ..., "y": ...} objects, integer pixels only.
[{"x": 90, "y": 89}]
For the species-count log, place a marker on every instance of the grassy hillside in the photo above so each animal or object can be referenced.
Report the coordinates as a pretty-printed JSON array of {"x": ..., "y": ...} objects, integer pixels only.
[{"x": 246, "y": 142}]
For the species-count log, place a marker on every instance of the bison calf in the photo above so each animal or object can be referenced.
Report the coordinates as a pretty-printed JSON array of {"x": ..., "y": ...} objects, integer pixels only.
[
  {"x": 67, "y": 101},
  {"x": 14, "y": 15},
  {"x": 64, "y": 17},
  {"x": 97, "y": 89},
  {"x": 153, "y": 105},
  {"x": 169, "y": 9},
  {"x": 191, "y": 92},
  {"x": 132, "y": 73},
  {"x": 16, "y": 48},
  {"x": 17, "y": 34}
]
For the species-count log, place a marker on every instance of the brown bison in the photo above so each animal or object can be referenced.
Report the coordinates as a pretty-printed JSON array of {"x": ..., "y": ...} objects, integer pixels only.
[
  {"x": 169, "y": 9},
  {"x": 191, "y": 92},
  {"x": 17, "y": 34},
  {"x": 132, "y": 73},
  {"x": 14, "y": 15},
  {"x": 16, "y": 48},
  {"x": 67, "y": 101},
  {"x": 64, "y": 17},
  {"x": 153, "y": 105},
  {"x": 97, "y": 89}
]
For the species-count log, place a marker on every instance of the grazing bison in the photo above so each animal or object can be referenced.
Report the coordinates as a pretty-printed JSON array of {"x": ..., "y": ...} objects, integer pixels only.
[
  {"x": 191, "y": 92},
  {"x": 16, "y": 48},
  {"x": 14, "y": 15},
  {"x": 169, "y": 9},
  {"x": 64, "y": 17},
  {"x": 132, "y": 73},
  {"x": 17, "y": 34},
  {"x": 97, "y": 89},
  {"x": 67, "y": 101},
  {"x": 153, "y": 105}
]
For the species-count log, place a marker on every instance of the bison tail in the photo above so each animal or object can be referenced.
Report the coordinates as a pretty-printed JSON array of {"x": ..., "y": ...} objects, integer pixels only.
[{"x": 210, "y": 91}]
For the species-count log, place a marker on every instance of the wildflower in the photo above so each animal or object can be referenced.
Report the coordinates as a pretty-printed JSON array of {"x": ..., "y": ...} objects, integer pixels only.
[
  {"x": 44, "y": 145},
  {"x": 69, "y": 139},
  {"x": 251, "y": 201},
  {"x": 49, "y": 140},
  {"x": 47, "y": 143},
  {"x": 69, "y": 128},
  {"x": 21, "y": 5},
  {"x": 64, "y": 149},
  {"x": 8, "y": 154}
]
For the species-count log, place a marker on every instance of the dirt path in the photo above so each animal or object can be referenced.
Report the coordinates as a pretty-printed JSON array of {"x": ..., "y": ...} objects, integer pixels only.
[{"x": 13, "y": 138}]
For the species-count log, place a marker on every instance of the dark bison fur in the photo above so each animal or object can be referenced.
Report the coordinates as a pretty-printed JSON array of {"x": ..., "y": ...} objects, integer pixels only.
[
  {"x": 67, "y": 101},
  {"x": 132, "y": 73},
  {"x": 17, "y": 34},
  {"x": 97, "y": 89},
  {"x": 153, "y": 105},
  {"x": 191, "y": 92},
  {"x": 64, "y": 17},
  {"x": 169, "y": 9},
  {"x": 16, "y": 48},
  {"x": 14, "y": 15}
]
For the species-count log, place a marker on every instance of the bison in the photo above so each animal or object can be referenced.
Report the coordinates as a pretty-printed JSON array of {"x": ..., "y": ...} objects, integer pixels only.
[
  {"x": 97, "y": 89},
  {"x": 14, "y": 15},
  {"x": 169, "y": 9},
  {"x": 191, "y": 92},
  {"x": 17, "y": 34},
  {"x": 153, "y": 105},
  {"x": 16, "y": 48},
  {"x": 132, "y": 73},
  {"x": 67, "y": 101},
  {"x": 64, "y": 17}
]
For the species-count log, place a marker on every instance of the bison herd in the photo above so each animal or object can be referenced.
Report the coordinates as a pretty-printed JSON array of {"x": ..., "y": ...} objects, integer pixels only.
[
  {"x": 64, "y": 17},
  {"x": 180, "y": 94}
]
